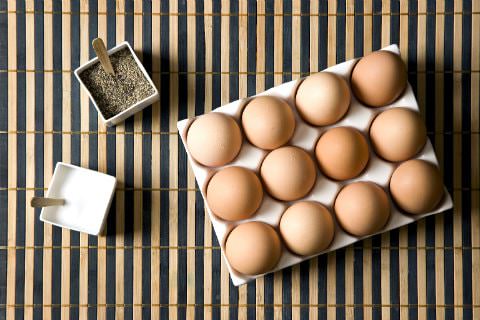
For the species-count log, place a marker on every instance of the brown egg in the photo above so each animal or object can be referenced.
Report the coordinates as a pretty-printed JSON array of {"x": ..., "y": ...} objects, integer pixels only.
[
  {"x": 362, "y": 208},
  {"x": 342, "y": 153},
  {"x": 322, "y": 98},
  {"x": 234, "y": 193},
  {"x": 416, "y": 186},
  {"x": 307, "y": 228},
  {"x": 268, "y": 122},
  {"x": 379, "y": 78},
  {"x": 398, "y": 134},
  {"x": 214, "y": 139},
  {"x": 288, "y": 173},
  {"x": 253, "y": 248}
]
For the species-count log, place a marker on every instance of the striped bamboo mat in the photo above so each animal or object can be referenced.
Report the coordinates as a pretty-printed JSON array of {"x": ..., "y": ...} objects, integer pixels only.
[{"x": 160, "y": 257}]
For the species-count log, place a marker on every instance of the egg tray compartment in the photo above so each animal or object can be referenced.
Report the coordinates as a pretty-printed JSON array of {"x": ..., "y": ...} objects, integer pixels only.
[{"x": 325, "y": 190}]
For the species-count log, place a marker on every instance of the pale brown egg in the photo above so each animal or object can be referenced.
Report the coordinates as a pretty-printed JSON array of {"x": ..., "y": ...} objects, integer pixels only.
[
  {"x": 322, "y": 98},
  {"x": 268, "y": 122},
  {"x": 342, "y": 153},
  {"x": 362, "y": 208},
  {"x": 214, "y": 139},
  {"x": 253, "y": 248},
  {"x": 234, "y": 193},
  {"x": 398, "y": 134},
  {"x": 288, "y": 173},
  {"x": 379, "y": 78},
  {"x": 307, "y": 228},
  {"x": 416, "y": 186}
]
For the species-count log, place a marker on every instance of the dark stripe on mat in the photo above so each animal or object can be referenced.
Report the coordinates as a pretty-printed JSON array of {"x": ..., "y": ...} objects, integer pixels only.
[
  {"x": 412, "y": 228},
  {"x": 269, "y": 44},
  {"x": 270, "y": 52},
  {"x": 233, "y": 91},
  {"x": 430, "y": 114},
  {"x": 394, "y": 235},
  {"x": 304, "y": 69},
  {"x": 57, "y": 152},
  {"x": 21, "y": 164},
  {"x": 75, "y": 152},
  {"x": 39, "y": 159},
  {"x": 448, "y": 158},
  {"x": 199, "y": 206},
  {"x": 147, "y": 164},
  {"x": 216, "y": 102},
  {"x": 322, "y": 64},
  {"x": 92, "y": 164},
  {"x": 377, "y": 25},
  {"x": 3, "y": 155},
  {"x": 129, "y": 181},
  {"x": 287, "y": 76},
  {"x": 182, "y": 93},
  {"x": 358, "y": 251},
  {"x": 466, "y": 160},
  {"x": 110, "y": 294},
  {"x": 340, "y": 254},
  {"x": 164, "y": 158}
]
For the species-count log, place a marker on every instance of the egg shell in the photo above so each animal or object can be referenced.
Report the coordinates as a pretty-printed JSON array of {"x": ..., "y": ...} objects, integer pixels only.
[
  {"x": 398, "y": 134},
  {"x": 362, "y": 208},
  {"x": 214, "y": 139},
  {"x": 268, "y": 122},
  {"x": 416, "y": 186},
  {"x": 288, "y": 173},
  {"x": 253, "y": 248},
  {"x": 342, "y": 153},
  {"x": 307, "y": 228},
  {"x": 379, "y": 78},
  {"x": 234, "y": 193},
  {"x": 322, "y": 98}
]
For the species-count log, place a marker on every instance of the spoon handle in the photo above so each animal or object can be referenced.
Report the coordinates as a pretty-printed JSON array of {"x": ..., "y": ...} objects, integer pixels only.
[
  {"x": 102, "y": 54},
  {"x": 39, "y": 202}
]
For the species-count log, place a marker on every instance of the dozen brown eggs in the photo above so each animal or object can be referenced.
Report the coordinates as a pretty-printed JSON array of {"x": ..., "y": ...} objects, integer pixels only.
[{"x": 288, "y": 173}]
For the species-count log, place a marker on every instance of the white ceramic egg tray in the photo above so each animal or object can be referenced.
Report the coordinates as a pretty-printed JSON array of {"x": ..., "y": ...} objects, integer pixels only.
[{"x": 325, "y": 190}]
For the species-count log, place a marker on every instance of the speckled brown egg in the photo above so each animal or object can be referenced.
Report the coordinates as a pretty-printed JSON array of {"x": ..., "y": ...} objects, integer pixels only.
[
  {"x": 379, "y": 78},
  {"x": 288, "y": 173},
  {"x": 362, "y": 208},
  {"x": 307, "y": 228},
  {"x": 342, "y": 153},
  {"x": 234, "y": 193},
  {"x": 398, "y": 134},
  {"x": 268, "y": 122},
  {"x": 253, "y": 248},
  {"x": 322, "y": 98},
  {"x": 214, "y": 139},
  {"x": 416, "y": 186}
]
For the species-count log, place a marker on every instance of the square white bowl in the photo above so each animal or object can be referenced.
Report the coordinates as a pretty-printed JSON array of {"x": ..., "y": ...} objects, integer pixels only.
[
  {"x": 133, "y": 108},
  {"x": 87, "y": 194}
]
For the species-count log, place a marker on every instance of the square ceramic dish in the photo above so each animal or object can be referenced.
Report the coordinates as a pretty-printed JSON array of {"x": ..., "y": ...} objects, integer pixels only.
[
  {"x": 130, "y": 110},
  {"x": 87, "y": 194},
  {"x": 324, "y": 190}
]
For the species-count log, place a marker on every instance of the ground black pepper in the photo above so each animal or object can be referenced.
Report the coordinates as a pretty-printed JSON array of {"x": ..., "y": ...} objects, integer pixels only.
[{"x": 116, "y": 93}]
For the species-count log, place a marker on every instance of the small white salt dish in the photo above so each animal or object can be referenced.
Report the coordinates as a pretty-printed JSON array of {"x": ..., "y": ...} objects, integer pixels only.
[
  {"x": 133, "y": 108},
  {"x": 88, "y": 195}
]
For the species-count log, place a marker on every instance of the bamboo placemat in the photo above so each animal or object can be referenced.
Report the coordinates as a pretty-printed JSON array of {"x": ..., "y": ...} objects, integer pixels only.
[{"x": 160, "y": 258}]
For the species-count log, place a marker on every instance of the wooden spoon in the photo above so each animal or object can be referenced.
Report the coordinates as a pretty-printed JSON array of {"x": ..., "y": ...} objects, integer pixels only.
[
  {"x": 40, "y": 202},
  {"x": 102, "y": 55}
]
